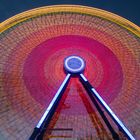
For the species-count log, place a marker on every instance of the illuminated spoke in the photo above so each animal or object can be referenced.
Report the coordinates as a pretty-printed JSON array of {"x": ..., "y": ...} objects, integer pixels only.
[
  {"x": 50, "y": 110},
  {"x": 106, "y": 107}
]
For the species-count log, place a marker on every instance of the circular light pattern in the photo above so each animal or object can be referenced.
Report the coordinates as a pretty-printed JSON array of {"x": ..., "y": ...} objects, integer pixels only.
[
  {"x": 34, "y": 45},
  {"x": 74, "y": 64},
  {"x": 44, "y": 83}
]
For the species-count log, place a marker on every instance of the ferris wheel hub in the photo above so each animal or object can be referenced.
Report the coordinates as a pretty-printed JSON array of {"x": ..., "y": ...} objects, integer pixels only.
[{"x": 74, "y": 64}]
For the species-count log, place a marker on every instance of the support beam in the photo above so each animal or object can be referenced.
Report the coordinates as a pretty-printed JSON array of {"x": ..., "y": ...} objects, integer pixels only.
[
  {"x": 45, "y": 119},
  {"x": 106, "y": 107}
]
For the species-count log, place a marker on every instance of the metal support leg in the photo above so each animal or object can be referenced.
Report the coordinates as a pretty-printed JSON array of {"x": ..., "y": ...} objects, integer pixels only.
[
  {"x": 106, "y": 107},
  {"x": 45, "y": 119}
]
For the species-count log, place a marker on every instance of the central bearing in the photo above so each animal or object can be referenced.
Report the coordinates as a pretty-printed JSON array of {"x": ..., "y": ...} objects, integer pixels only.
[{"x": 74, "y": 64}]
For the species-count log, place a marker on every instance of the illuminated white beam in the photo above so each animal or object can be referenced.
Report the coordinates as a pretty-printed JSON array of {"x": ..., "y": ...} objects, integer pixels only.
[
  {"x": 108, "y": 109},
  {"x": 53, "y": 101}
]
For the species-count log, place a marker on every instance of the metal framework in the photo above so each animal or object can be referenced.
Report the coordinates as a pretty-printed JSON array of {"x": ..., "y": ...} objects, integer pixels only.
[{"x": 45, "y": 119}]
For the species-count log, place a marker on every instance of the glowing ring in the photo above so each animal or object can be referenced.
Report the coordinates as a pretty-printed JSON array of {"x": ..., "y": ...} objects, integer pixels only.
[{"x": 74, "y": 70}]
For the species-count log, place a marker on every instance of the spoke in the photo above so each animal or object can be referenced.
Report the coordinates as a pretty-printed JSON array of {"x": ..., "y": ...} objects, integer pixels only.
[
  {"x": 106, "y": 107},
  {"x": 50, "y": 110}
]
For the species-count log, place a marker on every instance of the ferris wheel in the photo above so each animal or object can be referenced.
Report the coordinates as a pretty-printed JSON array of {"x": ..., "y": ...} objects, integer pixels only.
[{"x": 69, "y": 72}]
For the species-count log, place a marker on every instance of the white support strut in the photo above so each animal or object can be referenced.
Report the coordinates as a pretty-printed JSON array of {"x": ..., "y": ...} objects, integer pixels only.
[
  {"x": 53, "y": 101},
  {"x": 108, "y": 109}
]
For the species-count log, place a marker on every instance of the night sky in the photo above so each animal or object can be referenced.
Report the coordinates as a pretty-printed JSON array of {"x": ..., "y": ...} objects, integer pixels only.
[{"x": 129, "y": 9}]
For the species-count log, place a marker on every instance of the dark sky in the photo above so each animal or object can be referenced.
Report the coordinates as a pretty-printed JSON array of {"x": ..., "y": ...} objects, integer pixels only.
[{"x": 129, "y": 9}]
